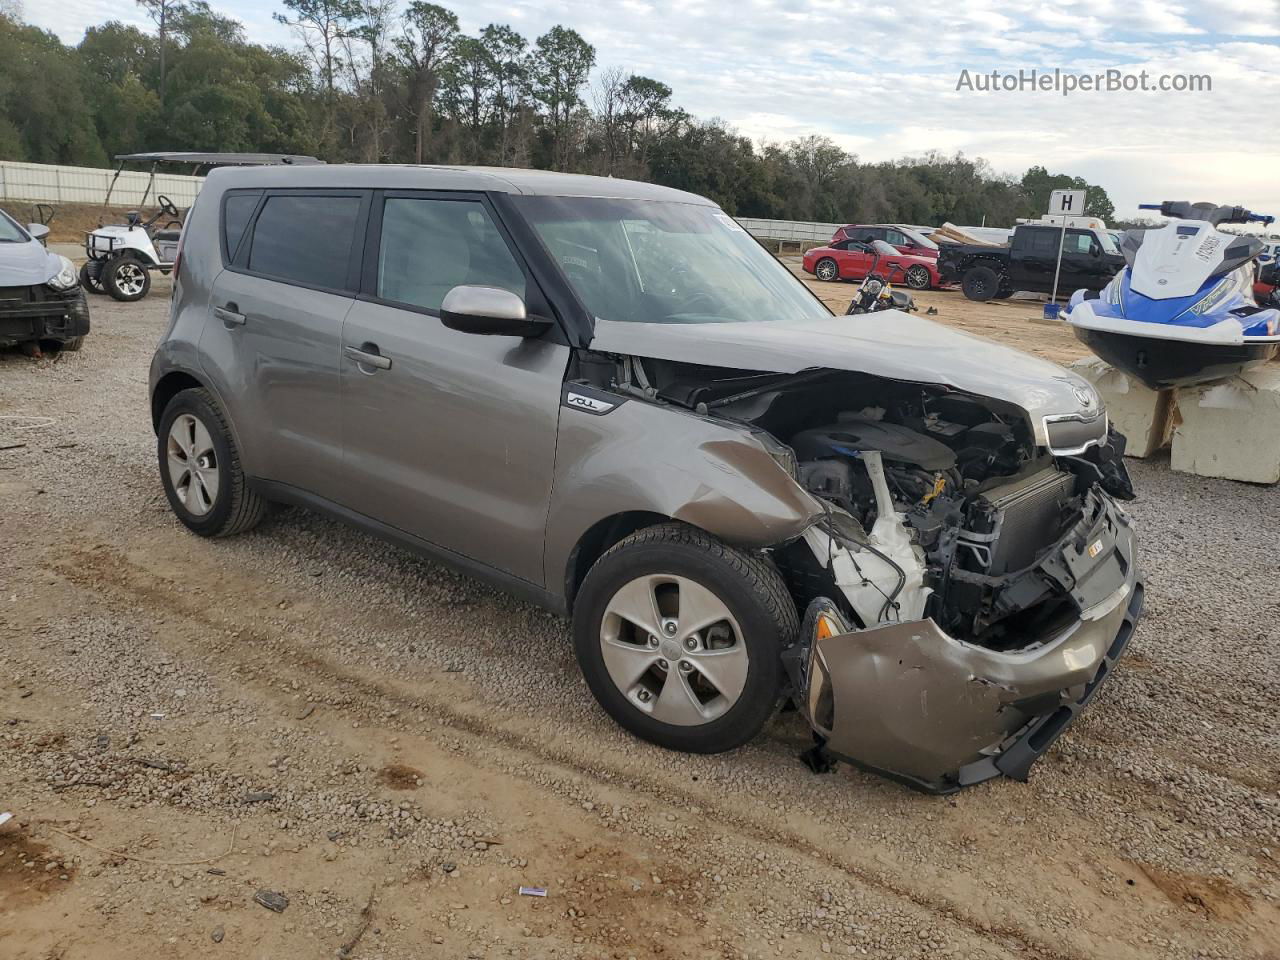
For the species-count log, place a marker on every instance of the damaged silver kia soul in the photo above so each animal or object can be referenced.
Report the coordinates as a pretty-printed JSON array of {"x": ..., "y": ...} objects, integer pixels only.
[{"x": 605, "y": 397}]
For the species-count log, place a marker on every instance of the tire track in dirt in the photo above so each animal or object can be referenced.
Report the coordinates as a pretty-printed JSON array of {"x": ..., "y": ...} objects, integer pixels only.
[{"x": 104, "y": 570}]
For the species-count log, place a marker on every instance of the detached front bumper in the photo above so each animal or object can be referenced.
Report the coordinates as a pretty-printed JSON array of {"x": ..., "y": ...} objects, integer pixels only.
[
  {"x": 36, "y": 313},
  {"x": 911, "y": 702}
]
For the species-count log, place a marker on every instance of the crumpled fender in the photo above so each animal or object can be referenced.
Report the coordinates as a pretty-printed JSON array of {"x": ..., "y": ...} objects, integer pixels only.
[{"x": 650, "y": 458}]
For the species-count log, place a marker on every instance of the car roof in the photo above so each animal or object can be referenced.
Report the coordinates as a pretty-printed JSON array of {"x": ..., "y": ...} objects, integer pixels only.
[{"x": 389, "y": 176}]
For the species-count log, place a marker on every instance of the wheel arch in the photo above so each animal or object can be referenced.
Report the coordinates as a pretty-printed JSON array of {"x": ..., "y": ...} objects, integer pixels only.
[
  {"x": 598, "y": 539},
  {"x": 168, "y": 387}
]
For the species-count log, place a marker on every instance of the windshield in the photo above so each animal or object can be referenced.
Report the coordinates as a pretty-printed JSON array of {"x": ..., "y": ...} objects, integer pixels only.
[
  {"x": 648, "y": 261},
  {"x": 919, "y": 238},
  {"x": 1108, "y": 242},
  {"x": 10, "y": 231}
]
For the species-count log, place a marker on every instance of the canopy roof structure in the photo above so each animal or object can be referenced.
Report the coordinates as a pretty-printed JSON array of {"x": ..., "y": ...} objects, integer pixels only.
[{"x": 217, "y": 159}]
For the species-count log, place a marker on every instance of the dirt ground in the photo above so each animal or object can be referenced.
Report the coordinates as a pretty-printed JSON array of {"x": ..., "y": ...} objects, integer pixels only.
[{"x": 190, "y": 727}]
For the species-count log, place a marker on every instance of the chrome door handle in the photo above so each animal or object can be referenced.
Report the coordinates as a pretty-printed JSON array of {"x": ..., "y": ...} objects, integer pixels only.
[
  {"x": 229, "y": 316},
  {"x": 367, "y": 359}
]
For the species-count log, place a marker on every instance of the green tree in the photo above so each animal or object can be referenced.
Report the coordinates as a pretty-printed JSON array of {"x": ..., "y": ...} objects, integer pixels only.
[
  {"x": 162, "y": 14},
  {"x": 559, "y": 65},
  {"x": 426, "y": 46}
]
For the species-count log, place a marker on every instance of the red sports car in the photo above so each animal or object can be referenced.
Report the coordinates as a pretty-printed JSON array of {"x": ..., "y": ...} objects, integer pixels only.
[{"x": 852, "y": 260}]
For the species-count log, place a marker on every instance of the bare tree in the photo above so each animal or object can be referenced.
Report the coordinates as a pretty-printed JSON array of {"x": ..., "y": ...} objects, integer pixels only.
[{"x": 162, "y": 13}]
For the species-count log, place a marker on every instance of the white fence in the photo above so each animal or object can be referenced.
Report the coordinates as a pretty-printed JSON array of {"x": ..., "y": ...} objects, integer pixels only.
[
  {"x": 50, "y": 183},
  {"x": 789, "y": 231}
]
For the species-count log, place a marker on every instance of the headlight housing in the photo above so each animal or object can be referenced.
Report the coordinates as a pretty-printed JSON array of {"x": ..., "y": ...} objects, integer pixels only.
[{"x": 66, "y": 278}]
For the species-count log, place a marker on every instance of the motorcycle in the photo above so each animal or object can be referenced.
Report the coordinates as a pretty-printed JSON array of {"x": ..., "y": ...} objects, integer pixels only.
[
  {"x": 876, "y": 293},
  {"x": 1182, "y": 310}
]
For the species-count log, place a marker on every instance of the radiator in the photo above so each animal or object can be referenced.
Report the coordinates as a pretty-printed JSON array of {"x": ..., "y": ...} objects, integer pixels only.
[{"x": 1010, "y": 524}]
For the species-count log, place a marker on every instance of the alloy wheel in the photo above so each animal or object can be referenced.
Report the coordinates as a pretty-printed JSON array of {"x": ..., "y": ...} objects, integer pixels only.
[
  {"x": 673, "y": 649},
  {"x": 192, "y": 464},
  {"x": 826, "y": 270},
  {"x": 129, "y": 279}
]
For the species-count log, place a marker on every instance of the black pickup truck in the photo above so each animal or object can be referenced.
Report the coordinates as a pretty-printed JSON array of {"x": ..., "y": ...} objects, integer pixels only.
[{"x": 1089, "y": 260}]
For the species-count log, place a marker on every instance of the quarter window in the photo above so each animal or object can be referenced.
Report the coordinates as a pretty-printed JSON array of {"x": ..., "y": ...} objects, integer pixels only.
[
  {"x": 428, "y": 247},
  {"x": 305, "y": 239},
  {"x": 236, "y": 212}
]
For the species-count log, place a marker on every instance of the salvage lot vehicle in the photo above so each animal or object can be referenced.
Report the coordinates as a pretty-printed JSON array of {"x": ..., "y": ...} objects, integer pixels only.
[
  {"x": 854, "y": 260},
  {"x": 120, "y": 257},
  {"x": 605, "y": 397},
  {"x": 904, "y": 239},
  {"x": 40, "y": 295},
  {"x": 1090, "y": 259}
]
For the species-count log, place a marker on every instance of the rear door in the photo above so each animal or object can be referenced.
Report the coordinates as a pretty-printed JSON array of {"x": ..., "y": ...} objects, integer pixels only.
[
  {"x": 276, "y": 327},
  {"x": 448, "y": 436}
]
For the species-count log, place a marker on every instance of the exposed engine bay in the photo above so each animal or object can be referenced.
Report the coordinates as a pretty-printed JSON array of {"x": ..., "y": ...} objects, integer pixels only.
[
  {"x": 966, "y": 577},
  {"x": 938, "y": 503}
]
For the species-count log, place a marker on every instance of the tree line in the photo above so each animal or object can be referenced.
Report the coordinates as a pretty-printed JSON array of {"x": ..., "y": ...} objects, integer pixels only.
[{"x": 365, "y": 83}]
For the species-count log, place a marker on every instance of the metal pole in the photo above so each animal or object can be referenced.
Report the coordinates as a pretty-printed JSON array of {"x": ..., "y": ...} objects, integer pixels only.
[{"x": 1062, "y": 239}]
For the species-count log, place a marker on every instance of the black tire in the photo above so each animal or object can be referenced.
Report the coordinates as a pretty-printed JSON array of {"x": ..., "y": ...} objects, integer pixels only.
[
  {"x": 828, "y": 266},
  {"x": 128, "y": 270},
  {"x": 73, "y": 345},
  {"x": 88, "y": 281},
  {"x": 918, "y": 278},
  {"x": 236, "y": 508},
  {"x": 747, "y": 584},
  {"x": 980, "y": 283}
]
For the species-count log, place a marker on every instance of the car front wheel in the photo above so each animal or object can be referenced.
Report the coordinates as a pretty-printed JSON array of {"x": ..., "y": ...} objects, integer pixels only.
[
  {"x": 679, "y": 635},
  {"x": 827, "y": 269},
  {"x": 200, "y": 468}
]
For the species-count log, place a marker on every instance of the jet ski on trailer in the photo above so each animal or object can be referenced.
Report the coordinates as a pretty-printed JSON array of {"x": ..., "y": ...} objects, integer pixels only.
[{"x": 1182, "y": 311}]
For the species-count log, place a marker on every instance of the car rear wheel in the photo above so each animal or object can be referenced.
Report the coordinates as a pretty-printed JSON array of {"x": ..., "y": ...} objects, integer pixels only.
[
  {"x": 826, "y": 269},
  {"x": 678, "y": 636},
  {"x": 980, "y": 283},
  {"x": 126, "y": 278},
  {"x": 200, "y": 468},
  {"x": 918, "y": 278}
]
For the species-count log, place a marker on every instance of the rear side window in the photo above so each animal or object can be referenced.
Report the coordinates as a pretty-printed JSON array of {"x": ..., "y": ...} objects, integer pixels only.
[
  {"x": 236, "y": 211},
  {"x": 428, "y": 247},
  {"x": 305, "y": 239}
]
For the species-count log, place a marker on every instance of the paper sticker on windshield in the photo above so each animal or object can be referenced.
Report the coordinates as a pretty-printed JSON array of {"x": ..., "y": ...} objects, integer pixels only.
[{"x": 729, "y": 222}]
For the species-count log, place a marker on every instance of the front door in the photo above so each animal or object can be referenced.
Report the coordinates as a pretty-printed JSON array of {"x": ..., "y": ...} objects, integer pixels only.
[{"x": 448, "y": 436}]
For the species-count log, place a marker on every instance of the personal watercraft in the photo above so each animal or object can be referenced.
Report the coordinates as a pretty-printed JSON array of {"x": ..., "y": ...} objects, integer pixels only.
[{"x": 1182, "y": 311}]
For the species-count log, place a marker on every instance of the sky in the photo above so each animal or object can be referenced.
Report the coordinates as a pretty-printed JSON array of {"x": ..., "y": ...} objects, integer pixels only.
[{"x": 881, "y": 79}]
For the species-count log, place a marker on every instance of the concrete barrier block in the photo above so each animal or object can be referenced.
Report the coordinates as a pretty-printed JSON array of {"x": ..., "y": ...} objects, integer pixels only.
[
  {"x": 1230, "y": 428},
  {"x": 1140, "y": 413}
]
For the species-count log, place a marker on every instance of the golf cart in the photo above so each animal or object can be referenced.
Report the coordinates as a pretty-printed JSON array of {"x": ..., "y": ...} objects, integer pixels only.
[{"x": 120, "y": 257}]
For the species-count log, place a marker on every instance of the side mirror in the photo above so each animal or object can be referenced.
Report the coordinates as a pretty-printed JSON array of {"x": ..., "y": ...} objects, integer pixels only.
[
  {"x": 489, "y": 310},
  {"x": 38, "y": 231},
  {"x": 1095, "y": 249}
]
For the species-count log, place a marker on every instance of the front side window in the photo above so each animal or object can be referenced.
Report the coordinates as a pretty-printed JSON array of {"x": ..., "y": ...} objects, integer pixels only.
[
  {"x": 305, "y": 239},
  {"x": 648, "y": 261},
  {"x": 1077, "y": 242},
  {"x": 429, "y": 246}
]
